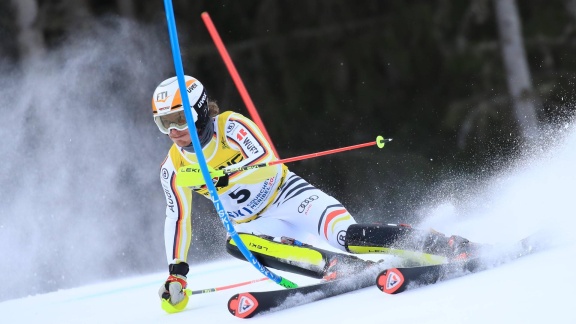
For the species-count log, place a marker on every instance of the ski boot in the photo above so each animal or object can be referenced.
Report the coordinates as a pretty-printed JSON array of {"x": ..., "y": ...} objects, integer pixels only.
[{"x": 462, "y": 249}]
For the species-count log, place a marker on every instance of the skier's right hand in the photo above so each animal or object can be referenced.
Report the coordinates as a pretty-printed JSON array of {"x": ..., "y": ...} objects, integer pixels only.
[{"x": 172, "y": 293}]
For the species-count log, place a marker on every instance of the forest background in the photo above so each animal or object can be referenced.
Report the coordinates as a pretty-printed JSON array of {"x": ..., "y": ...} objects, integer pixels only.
[{"x": 464, "y": 88}]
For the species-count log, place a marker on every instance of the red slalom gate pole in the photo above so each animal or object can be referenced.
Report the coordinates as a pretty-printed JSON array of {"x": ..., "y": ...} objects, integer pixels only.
[{"x": 236, "y": 77}]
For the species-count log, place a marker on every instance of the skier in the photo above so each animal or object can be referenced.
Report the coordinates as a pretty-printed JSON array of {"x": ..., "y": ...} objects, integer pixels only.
[{"x": 274, "y": 216}]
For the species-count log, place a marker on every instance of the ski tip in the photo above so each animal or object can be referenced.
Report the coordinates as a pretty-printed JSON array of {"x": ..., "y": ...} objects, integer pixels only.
[
  {"x": 242, "y": 305},
  {"x": 390, "y": 281}
]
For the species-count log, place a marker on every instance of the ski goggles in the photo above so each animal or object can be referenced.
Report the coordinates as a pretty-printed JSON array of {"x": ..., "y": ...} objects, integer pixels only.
[{"x": 176, "y": 120}]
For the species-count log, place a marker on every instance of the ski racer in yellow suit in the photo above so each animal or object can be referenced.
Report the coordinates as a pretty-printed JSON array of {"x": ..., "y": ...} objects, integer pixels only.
[{"x": 274, "y": 210}]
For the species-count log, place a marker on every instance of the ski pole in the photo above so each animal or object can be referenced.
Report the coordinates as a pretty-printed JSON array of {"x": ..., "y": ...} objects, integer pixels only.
[
  {"x": 190, "y": 175},
  {"x": 222, "y": 214},
  {"x": 190, "y": 292}
]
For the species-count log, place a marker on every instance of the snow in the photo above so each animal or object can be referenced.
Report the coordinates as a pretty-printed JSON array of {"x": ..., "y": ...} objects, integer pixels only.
[
  {"x": 535, "y": 289},
  {"x": 533, "y": 194}
]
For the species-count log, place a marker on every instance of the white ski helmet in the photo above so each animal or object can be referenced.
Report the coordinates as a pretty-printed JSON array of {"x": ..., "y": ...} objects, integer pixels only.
[{"x": 168, "y": 110}]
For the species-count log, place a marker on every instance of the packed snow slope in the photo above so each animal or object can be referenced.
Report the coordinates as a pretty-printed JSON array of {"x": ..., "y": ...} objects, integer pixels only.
[
  {"x": 536, "y": 289},
  {"x": 535, "y": 193}
]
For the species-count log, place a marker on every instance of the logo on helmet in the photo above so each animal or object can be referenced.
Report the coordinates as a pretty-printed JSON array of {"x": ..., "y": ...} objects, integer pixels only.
[
  {"x": 162, "y": 96},
  {"x": 192, "y": 87},
  {"x": 201, "y": 101}
]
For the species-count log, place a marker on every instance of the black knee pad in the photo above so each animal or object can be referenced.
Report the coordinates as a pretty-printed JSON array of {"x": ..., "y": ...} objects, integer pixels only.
[{"x": 377, "y": 235}]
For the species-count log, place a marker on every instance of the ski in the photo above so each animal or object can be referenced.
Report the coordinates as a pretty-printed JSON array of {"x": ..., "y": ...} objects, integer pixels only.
[
  {"x": 397, "y": 280},
  {"x": 393, "y": 280},
  {"x": 250, "y": 304}
]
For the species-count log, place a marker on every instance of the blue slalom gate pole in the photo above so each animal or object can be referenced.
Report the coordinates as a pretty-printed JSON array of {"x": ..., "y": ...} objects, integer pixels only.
[{"x": 200, "y": 155}]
